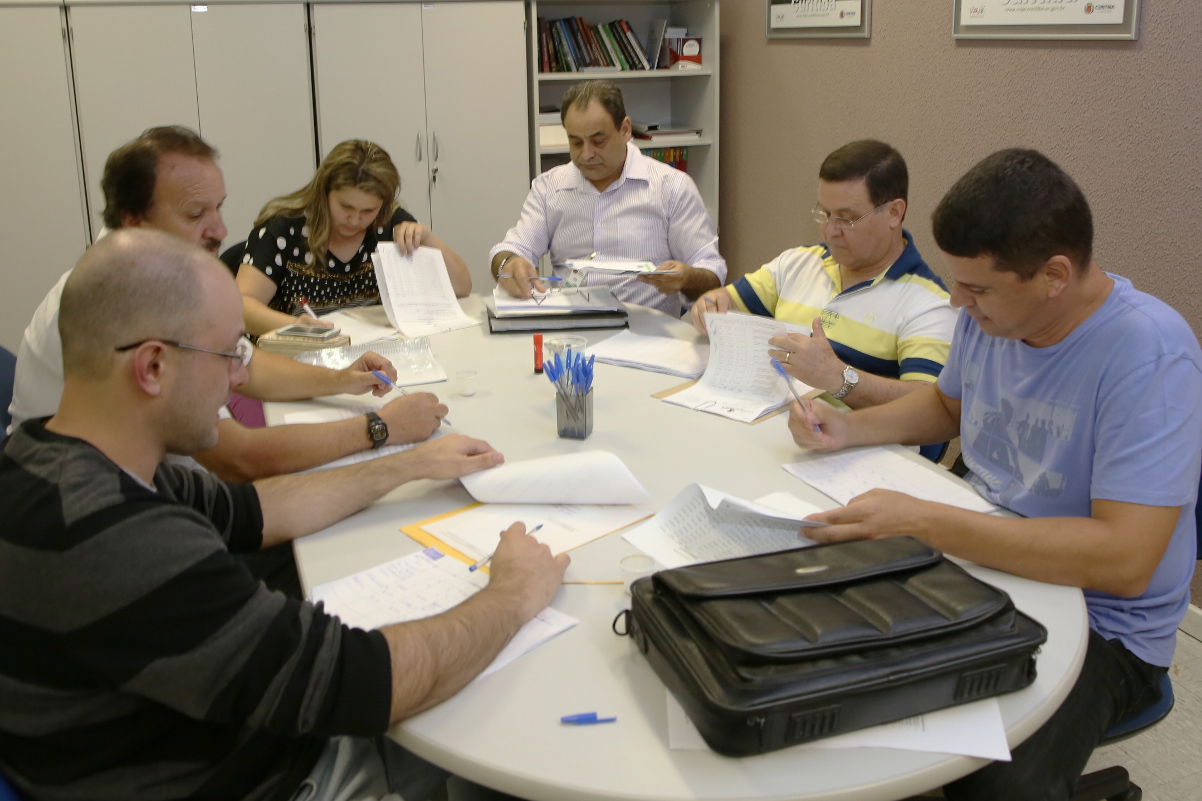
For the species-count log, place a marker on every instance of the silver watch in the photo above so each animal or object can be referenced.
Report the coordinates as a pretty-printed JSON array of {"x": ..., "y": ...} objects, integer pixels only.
[{"x": 850, "y": 378}]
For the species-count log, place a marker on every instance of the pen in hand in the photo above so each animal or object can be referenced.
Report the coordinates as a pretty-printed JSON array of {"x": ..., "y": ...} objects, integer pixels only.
[
  {"x": 805, "y": 405},
  {"x": 304, "y": 304},
  {"x": 401, "y": 390},
  {"x": 488, "y": 558}
]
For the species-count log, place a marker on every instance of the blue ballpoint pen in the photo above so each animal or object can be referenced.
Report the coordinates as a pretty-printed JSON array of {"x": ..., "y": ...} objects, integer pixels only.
[
  {"x": 401, "y": 390},
  {"x": 488, "y": 558},
  {"x": 805, "y": 405}
]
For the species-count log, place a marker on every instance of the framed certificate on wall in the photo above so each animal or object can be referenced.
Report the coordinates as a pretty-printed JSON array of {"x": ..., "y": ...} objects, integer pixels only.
[
  {"x": 818, "y": 19},
  {"x": 1045, "y": 19}
]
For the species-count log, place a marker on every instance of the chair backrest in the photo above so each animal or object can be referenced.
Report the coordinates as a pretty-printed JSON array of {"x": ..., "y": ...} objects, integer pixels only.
[
  {"x": 8, "y": 371},
  {"x": 7, "y": 792},
  {"x": 232, "y": 257}
]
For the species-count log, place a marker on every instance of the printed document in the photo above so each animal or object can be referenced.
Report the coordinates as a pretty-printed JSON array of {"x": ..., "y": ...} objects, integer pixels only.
[
  {"x": 588, "y": 477},
  {"x": 739, "y": 381},
  {"x": 846, "y": 474},
  {"x": 705, "y": 525},
  {"x": 416, "y": 291},
  {"x": 571, "y": 301},
  {"x": 360, "y": 332},
  {"x": 420, "y": 585},
  {"x": 975, "y": 729},
  {"x": 657, "y": 354},
  {"x": 611, "y": 266},
  {"x": 477, "y": 531}
]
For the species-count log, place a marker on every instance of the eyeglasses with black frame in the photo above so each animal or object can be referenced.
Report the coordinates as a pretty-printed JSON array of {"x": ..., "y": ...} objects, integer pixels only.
[
  {"x": 239, "y": 357},
  {"x": 822, "y": 216}
]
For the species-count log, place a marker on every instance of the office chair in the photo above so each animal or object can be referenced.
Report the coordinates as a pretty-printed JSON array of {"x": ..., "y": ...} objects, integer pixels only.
[
  {"x": 1114, "y": 784},
  {"x": 232, "y": 257},
  {"x": 7, "y": 793},
  {"x": 8, "y": 371}
]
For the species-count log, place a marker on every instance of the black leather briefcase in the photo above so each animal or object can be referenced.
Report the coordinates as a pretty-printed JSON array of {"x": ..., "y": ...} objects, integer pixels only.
[{"x": 769, "y": 651}]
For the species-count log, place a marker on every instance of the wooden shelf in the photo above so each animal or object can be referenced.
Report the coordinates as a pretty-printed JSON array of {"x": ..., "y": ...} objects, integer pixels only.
[{"x": 620, "y": 75}]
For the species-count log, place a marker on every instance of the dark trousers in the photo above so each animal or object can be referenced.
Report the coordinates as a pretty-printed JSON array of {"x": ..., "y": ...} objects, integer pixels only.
[{"x": 1113, "y": 686}]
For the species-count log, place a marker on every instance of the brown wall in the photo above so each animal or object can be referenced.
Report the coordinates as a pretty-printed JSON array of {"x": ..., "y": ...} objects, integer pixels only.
[{"x": 1123, "y": 118}]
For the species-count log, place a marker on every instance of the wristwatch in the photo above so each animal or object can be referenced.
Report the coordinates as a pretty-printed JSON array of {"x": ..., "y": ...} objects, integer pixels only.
[
  {"x": 850, "y": 378},
  {"x": 377, "y": 430}
]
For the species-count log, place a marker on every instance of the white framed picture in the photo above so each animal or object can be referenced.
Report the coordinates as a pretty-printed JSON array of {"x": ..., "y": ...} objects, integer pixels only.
[{"x": 818, "y": 19}]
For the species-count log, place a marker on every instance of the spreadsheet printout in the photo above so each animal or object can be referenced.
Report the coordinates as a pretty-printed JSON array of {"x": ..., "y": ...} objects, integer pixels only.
[{"x": 416, "y": 291}]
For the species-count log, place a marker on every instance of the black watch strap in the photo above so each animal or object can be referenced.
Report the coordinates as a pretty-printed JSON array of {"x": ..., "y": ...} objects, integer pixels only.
[{"x": 377, "y": 430}]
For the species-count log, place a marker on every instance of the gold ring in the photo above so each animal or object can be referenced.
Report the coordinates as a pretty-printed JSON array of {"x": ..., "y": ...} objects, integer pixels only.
[{"x": 788, "y": 353}]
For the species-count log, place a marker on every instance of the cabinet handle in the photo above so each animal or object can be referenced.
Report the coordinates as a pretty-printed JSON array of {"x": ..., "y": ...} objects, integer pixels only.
[
  {"x": 419, "y": 147},
  {"x": 434, "y": 141},
  {"x": 434, "y": 176}
]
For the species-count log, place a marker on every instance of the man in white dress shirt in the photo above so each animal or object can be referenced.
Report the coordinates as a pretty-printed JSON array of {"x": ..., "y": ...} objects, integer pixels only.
[{"x": 613, "y": 203}]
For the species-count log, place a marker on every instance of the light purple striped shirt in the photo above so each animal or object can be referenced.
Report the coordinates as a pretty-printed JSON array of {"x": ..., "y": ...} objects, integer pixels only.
[{"x": 653, "y": 213}]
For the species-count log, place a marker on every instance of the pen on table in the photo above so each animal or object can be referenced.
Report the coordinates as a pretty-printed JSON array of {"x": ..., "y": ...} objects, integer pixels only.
[
  {"x": 488, "y": 558},
  {"x": 805, "y": 405},
  {"x": 401, "y": 390}
]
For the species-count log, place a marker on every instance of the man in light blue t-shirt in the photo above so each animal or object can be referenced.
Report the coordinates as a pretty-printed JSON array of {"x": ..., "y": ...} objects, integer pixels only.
[{"x": 1076, "y": 398}]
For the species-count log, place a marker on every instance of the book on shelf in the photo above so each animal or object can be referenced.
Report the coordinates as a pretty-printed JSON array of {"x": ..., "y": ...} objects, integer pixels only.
[
  {"x": 677, "y": 157},
  {"x": 552, "y": 136},
  {"x": 686, "y": 53},
  {"x": 571, "y": 44},
  {"x": 669, "y": 133}
]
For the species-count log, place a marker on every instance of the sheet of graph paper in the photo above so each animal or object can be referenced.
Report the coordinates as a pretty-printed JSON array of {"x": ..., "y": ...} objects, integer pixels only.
[
  {"x": 739, "y": 380},
  {"x": 419, "y": 292},
  {"x": 420, "y": 585},
  {"x": 690, "y": 529},
  {"x": 846, "y": 474}
]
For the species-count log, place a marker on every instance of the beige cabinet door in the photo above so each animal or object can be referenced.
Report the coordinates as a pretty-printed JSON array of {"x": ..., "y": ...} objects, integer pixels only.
[
  {"x": 478, "y": 120},
  {"x": 367, "y": 61},
  {"x": 42, "y": 214},
  {"x": 133, "y": 70},
  {"x": 256, "y": 108}
]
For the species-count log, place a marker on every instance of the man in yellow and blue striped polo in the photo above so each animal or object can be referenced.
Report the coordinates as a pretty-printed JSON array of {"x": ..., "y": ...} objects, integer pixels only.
[{"x": 880, "y": 318}]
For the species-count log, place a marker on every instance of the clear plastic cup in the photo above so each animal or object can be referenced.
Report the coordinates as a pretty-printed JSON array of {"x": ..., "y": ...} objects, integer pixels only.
[
  {"x": 465, "y": 382},
  {"x": 635, "y": 567}
]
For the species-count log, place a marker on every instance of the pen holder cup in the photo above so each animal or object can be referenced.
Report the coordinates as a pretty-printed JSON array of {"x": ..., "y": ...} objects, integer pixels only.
[{"x": 574, "y": 414}]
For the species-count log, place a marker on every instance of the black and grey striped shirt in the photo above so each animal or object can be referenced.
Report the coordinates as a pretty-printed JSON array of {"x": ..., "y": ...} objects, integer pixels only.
[{"x": 140, "y": 660}]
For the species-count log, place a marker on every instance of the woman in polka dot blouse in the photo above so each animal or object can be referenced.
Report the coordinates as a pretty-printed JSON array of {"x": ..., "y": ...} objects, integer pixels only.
[{"x": 316, "y": 244}]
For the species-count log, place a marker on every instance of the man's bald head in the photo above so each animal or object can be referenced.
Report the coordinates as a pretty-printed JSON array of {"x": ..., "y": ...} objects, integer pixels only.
[{"x": 133, "y": 284}]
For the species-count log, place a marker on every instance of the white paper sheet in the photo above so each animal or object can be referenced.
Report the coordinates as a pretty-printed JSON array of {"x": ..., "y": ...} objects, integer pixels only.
[
  {"x": 413, "y": 359},
  {"x": 657, "y": 354},
  {"x": 421, "y": 585},
  {"x": 333, "y": 415},
  {"x": 360, "y": 332},
  {"x": 477, "y": 532},
  {"x": 611, "y": 266},
  {"x": 846, "y": 474},
  {"x": 589, "y": 477},
  {"x": 739, "y": 381},
  {"x": 588, "y": 299},
  {"x": 416, "y": 291},
  {"x": 974, "y": 729},
  {"x": 705, "y": 525}
]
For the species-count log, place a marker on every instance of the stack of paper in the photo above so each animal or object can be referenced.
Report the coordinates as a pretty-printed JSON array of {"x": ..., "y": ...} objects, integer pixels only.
[
  {"x": 739, "y": 381},
  {"x": 413, "y": 359},
  {"x": 589, "y": 477},
  {"x": 416, "y": 291},
  {"x": 611, "y": 266},
  {"x": 658, "y": 354},
  {"x": 421, "y": 585},
  {"x": 705, "y": 525},
  {"x": 846, "y": 474},
  {"x": 575, "y": 301},
  {"x": 359, "y": 331}
]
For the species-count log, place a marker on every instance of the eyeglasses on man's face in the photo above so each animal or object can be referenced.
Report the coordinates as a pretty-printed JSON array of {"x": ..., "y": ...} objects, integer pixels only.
[
  {"x": 239, "y": 357},
  {"x": 822, "y": 216}
]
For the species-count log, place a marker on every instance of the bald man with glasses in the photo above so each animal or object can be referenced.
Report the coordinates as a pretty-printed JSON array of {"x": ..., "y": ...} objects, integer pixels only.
[{"x": 880, "y": 317}]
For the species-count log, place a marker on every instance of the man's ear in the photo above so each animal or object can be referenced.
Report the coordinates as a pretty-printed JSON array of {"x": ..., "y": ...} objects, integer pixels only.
[
  {"x": 150, "y": 368},
  {"x": 897, "y": 212},
  {"x": 131, "y": 220},
  {"x": 626, "y": 129},
  {"x": 1056, "y": 273}
]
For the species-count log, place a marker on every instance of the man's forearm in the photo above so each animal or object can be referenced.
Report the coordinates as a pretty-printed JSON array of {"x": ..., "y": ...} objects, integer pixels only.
[
  {"x": 274, "y": 377},
  {"x": 874, "y": 390},
  {"x": 921, "y": 417},
  {"x": 698, "y": 282},
  {"x": 296, "y": 505},
  {"x": 434, "y": 658},
  {"x": 248, "y": 454}
]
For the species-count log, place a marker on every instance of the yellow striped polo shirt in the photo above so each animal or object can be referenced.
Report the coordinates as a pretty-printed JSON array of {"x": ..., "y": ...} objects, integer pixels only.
[{"x": 898, "y": 325}]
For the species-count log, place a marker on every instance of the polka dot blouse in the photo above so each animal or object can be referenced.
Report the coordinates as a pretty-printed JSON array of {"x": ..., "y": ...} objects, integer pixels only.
[{"x": 279, "y": 249}]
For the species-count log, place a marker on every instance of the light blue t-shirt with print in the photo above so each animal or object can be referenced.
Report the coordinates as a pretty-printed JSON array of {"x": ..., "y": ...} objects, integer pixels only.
[{"x": 1112, "y": 412}]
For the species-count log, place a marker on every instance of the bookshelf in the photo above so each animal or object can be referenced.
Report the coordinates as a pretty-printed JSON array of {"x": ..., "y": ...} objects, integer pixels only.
[{"x": 680, "y": 98}]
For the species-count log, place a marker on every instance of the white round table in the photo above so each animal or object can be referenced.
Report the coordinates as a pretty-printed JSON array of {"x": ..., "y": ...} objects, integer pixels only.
[{"x": 503, "y": 731}]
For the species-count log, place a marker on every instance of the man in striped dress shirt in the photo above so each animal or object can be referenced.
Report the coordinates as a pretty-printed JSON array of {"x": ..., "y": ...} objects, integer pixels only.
[
  {"x": 616, "y": 203},
  {"x": 140, "y": 660}
]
